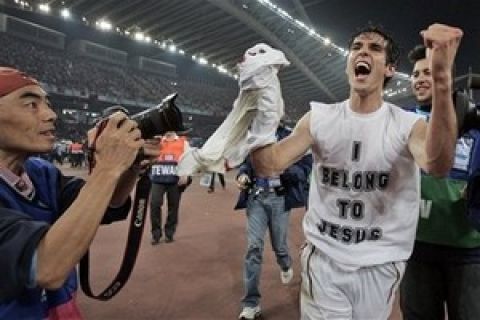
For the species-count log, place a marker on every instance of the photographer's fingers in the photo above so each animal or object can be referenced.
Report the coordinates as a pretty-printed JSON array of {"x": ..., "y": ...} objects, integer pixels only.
[
  {"x": 118, "y": 144},
  {"x": 116, "y": 119},
  {"x": 121, "y": 121},
  {"x": 242, "y": 181}
]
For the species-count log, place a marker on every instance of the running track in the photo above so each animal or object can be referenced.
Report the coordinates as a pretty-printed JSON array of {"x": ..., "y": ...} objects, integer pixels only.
[{"x": 199, "y": 275}]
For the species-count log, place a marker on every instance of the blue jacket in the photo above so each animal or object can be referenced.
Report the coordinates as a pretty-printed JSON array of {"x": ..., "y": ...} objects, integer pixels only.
[
  {"x": 295, "y": 179},
  {"x": 471, "y": 173},
  {"x": 22, "y": 224}
]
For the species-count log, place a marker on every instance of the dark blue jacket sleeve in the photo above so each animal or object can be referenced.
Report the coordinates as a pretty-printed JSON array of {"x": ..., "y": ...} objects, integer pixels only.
[
  {"x": 295, "y": 179},
  {"x": 70, "y": 188},
  {"x": 245, "y": 168},
  {"x": 473, "y": 200},
  {"x": 473, "y": 186},
  {"x": 19, "y": 238}
]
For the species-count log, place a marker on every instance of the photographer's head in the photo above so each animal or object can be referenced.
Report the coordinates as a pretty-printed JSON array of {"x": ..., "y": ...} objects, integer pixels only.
[
  {"x": 421, "y": 78},
  {"x": 27, "y": 121}
]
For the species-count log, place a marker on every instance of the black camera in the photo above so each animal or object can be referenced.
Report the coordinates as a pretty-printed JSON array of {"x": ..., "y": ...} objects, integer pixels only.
[
  {"x": 468, "y": 114},
  {"x": 160, "y": 119},
  {"x": 157, "y": 120}
]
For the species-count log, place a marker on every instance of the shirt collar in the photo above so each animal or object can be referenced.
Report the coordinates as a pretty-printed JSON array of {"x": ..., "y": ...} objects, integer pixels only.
[{"x": 22, "y": 184}]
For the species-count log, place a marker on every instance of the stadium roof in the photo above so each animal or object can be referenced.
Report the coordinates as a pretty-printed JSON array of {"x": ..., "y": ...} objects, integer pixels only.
[{"x": 312, "y": 33}]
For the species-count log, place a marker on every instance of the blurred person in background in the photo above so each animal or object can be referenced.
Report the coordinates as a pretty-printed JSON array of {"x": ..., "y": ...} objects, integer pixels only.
[
  {"x": 268, "y": 202},
  {"x": 165, "y": 181}
]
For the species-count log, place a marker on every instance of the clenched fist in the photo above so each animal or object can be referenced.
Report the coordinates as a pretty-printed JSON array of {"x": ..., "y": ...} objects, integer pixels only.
[{"x": 442, "y": 42}]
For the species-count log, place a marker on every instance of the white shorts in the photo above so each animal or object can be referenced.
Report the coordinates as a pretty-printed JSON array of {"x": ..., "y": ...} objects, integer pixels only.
[{"x": 330, "y": 292}]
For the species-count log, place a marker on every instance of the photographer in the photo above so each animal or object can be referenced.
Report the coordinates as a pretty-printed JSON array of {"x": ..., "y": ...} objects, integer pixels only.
[
  {"x": 443, "y": 272},
  {"x": 48, "y": 220}
]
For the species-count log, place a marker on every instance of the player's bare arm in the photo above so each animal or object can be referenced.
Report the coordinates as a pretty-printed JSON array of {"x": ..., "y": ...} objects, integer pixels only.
[
  {"x": 433, "y": 144},
  {"x": 277, "y": 157}
]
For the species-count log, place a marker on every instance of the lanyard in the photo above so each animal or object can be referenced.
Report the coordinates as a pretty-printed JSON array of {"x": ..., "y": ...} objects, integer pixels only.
[{"x": 137, "y": 223}]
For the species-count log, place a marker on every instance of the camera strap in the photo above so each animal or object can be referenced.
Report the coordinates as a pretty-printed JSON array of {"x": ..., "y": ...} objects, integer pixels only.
[
  {"x": 92, "y": 145},
  {"x": 137, "y": 223}
]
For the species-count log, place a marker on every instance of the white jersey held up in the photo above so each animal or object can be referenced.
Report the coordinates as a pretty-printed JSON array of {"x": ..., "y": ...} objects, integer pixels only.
[{"x": 365, "y": 189}]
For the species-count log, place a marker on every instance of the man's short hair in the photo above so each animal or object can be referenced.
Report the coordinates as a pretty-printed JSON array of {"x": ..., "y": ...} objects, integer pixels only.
[
  {"x": 417, "y": 53},
  {"x": 392, "y": 50}
]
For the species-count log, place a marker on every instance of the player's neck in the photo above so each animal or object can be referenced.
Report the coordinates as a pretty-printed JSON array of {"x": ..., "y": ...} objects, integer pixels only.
[{"x": 365, "y": 103}]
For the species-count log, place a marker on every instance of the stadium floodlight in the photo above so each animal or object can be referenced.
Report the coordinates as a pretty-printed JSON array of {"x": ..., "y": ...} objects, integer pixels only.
[
  {"x": 310, "y": 31},
  {"x": 222, "y": 69},
  {"x": 403, "y": 75},
  {"x": 65, "y": 13},
  {"x": 44, "y": 7},
  {"x": 343, "y": 51},
  {"x": 139, "y": 36},
  {"x": 104, "y": 25}
]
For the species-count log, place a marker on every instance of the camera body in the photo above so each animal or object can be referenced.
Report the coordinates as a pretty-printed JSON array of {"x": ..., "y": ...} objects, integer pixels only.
[
  {"x": 154, "y": 121},
  {"x": 158, "y": 120},
  {"x": 468, "y": 114},
  {"x": 162, "y": 118}
]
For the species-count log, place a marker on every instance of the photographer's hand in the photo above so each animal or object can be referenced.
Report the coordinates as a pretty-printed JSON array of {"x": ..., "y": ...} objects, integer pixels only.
[
  {"x": 242, "y": 181},
  {"x": 108, "y": 184},
  {"x": 118, "y": 144}
]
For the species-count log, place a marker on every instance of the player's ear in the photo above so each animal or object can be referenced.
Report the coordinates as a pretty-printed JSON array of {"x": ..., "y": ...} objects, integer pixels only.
[{"x": 390, "y": 71}]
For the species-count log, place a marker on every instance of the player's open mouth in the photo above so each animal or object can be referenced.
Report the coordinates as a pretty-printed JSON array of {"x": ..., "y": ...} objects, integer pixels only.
[{"x": 362, "y": 69}]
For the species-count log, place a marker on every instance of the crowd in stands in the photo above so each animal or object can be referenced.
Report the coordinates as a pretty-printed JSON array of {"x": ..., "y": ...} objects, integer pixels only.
[
  {"x": 67, "y": 74},
  {"x": 63, "y": 71}
]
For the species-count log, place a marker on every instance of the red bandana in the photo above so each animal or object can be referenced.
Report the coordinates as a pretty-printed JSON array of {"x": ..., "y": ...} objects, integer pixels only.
[{"x": 13, "y": 79}]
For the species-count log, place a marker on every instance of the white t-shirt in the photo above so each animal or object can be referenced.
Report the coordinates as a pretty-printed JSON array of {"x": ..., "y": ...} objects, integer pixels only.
[{"x": 365, "y": 186}]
